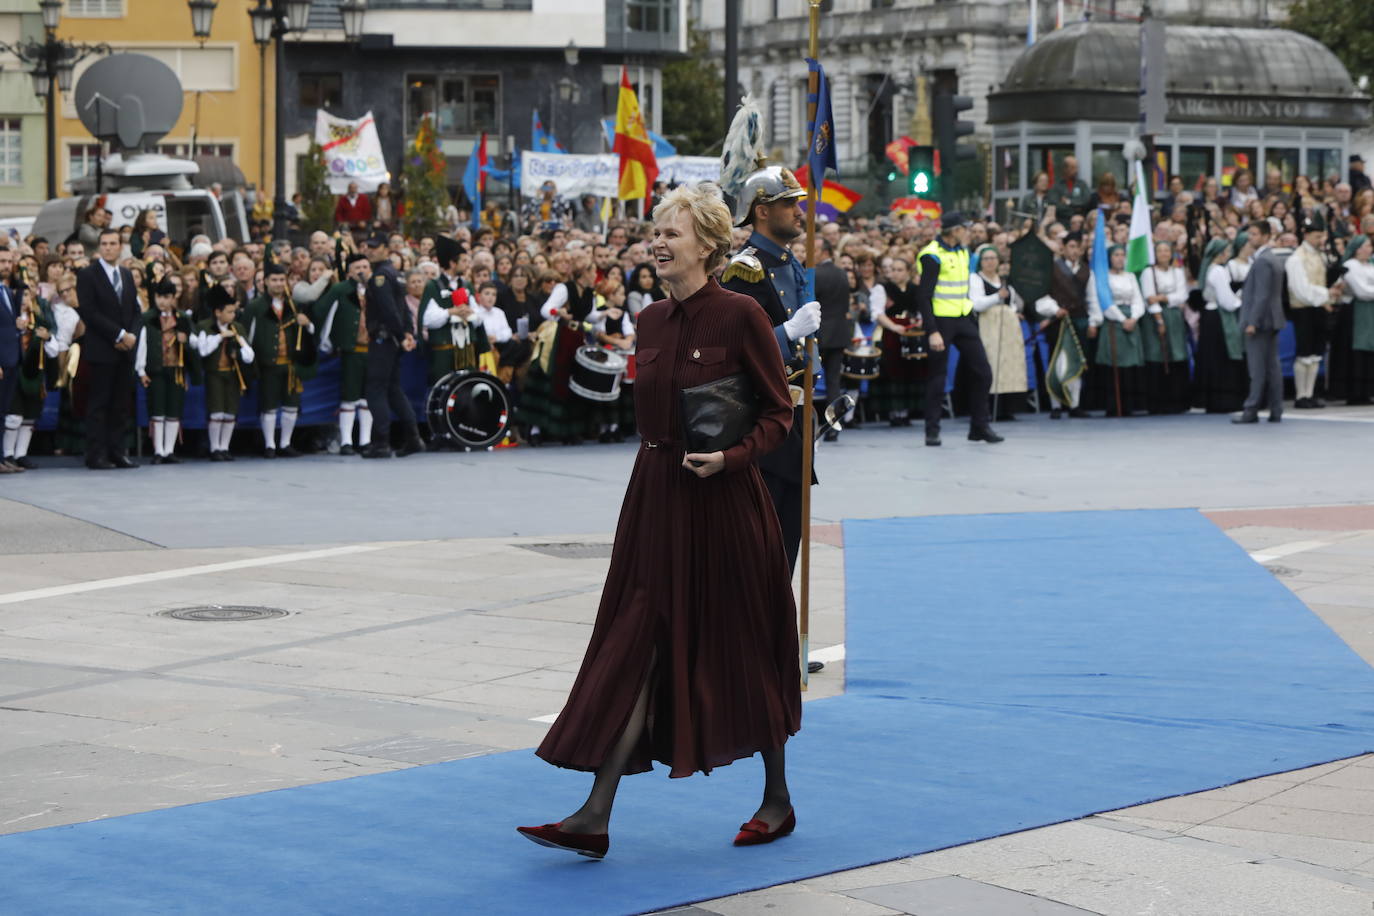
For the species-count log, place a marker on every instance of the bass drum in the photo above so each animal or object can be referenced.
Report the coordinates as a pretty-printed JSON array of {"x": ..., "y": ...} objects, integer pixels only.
[{"x": 468, "y": 408}]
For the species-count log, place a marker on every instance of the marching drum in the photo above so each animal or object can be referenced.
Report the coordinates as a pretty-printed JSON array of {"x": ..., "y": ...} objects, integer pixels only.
[
  {"x": 861, "y": 363},
  {"x": 596, "y": 374},
  {"x": 469, "y": 408},
  {"x": 914, "y": 345}
]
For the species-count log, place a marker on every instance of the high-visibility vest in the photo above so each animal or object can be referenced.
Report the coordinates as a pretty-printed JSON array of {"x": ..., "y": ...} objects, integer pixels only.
[{"x": 950, "y": 299}]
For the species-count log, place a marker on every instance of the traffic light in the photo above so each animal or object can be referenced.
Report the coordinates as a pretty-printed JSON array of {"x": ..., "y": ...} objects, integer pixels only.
[
  {"x": 945, "y": 108},
  {"x": 922, "y": 179}
]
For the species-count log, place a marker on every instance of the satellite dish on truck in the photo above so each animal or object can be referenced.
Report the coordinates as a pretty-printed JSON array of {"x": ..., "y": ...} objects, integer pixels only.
[{"x": 131, "y": 100}]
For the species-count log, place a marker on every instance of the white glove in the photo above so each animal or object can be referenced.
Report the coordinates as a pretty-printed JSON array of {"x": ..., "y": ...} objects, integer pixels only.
[{"x": 804, "y": 322}]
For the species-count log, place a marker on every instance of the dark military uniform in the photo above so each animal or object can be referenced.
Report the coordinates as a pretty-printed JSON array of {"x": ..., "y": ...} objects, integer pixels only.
[
  {"x": 768, "y": 274},
  {"x": 388, "y": 323}
]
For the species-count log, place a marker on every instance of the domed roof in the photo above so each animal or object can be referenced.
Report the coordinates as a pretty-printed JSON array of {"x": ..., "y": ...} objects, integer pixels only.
[{"x": 1201, "y": 60}]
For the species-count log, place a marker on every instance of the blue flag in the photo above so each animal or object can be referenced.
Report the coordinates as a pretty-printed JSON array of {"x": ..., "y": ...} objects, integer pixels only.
[
  {"x": 472, "y": 184},
  {"x": 1100, "y": 263},
  {"x": 821, "y": 155},
  {"x": 541, "y": 140}
]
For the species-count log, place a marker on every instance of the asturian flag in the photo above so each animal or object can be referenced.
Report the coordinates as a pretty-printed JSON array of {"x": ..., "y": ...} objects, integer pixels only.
[
  {"x": 638, "y": 166},
  {"x": 1140, "y": 251}
]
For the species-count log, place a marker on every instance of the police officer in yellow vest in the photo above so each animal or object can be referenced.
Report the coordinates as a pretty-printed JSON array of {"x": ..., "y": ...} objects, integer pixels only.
[{"x": 947, "y": 315}]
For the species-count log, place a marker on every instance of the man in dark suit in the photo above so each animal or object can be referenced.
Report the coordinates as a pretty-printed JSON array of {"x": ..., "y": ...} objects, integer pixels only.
[
  {"x": 1262, "y": 317},
  {"x": 837, "y": 324},
  {"x": 9, "y": 345},
  {"x": 109, "y": 307}
]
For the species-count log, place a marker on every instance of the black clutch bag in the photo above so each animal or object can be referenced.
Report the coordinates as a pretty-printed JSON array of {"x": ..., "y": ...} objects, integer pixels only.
[{"x": 718, "y": 414}]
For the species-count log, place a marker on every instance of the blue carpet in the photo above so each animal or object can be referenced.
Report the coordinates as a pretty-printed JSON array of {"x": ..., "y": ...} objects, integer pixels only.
[{"x": 991, "y": 688}]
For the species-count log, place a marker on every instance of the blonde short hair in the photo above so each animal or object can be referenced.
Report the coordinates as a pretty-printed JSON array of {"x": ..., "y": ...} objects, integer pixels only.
[{"x": 710, "y": 217}]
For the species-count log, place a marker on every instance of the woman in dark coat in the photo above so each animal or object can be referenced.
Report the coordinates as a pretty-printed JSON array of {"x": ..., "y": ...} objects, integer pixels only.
[{"x": 696, "y": 619}]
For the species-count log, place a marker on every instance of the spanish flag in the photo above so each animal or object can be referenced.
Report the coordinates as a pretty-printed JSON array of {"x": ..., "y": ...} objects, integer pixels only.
[{"x": 638, "y": 167}]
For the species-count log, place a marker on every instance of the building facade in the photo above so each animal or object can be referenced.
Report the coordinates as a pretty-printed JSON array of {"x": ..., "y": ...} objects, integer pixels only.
[
  {"x": 23, "y": 166},
  {"x": 877, "y": 51},
  {"x": 481, "y": 66}
]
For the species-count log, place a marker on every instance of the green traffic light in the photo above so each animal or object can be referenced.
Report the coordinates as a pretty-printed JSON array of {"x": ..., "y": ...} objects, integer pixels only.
[
  {"x": 920, "y": 183},
  {"x": 892, "y": 176}
]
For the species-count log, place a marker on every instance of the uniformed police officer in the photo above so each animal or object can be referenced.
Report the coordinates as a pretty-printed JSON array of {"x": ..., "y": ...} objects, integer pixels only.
[
  {"x": 947, "y": 314},
  {"x": 390, "y": 330},
  {"x": 767, "y": 271}
]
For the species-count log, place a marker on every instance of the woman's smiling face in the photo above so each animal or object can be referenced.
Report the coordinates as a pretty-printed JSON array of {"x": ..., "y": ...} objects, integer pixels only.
[{"x": 677, "y": 250}]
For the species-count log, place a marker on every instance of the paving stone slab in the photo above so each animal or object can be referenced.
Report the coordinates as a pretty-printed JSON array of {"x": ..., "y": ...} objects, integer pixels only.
[{"x": 961, "y": 897}]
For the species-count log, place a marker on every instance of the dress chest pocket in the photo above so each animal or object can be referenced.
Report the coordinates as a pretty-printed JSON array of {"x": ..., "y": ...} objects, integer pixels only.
[{"x": 703, "y": 364}]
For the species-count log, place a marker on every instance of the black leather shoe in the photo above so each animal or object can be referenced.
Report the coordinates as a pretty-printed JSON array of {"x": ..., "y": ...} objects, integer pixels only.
[
  {"x": 376, "y": 451},
  {"x": 26, "y": 463},
  {"x": 288, "y": 452},
  {"x": 269, "y": 453},
  {"x": 813, "y": 667},
  {"x": 1245, "y": 417},
  {"x": 123, "y": 463},
  {"x": 1056, "y": 413},
  {"x": 1316, "y": 403},
  {"x": 986, "y": 434},
  {"x": 932, "y": 438},
  {"x": 1079, "y": 413},
  {"x": 100, "y": 464},
  {"x": 1276, "y": 418},
  {"x": 412, "y": 447},
  {"x": 156, "y": 459},
  {"x": 346, "y": 450},
  {"x": 1303, "y": 403},
  {"x": 831, "y": 435},
  {"x": 170, "y": 459},
  {"x": 225, "y": 456}
]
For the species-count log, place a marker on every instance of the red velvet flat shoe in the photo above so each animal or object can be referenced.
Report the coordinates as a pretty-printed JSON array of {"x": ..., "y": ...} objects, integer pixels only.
[
  {"x": 591, "y": 845},
  {"x": 756, "y": 831}
]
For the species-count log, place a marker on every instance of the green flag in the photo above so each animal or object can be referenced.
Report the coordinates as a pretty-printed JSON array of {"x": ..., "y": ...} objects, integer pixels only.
[
  {"x": 1140, "y": 253},
  {"x": 1066, "y": 364}
]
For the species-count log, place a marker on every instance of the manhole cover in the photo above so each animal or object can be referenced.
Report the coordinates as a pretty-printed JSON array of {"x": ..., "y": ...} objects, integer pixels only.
[
  {"x": 1286, "y": 572},
  {"x": 217, "y": 613},
  {"x": 575, "y": 550}
]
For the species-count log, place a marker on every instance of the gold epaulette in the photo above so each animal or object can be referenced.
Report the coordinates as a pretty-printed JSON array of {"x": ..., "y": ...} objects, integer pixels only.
[{"x": 744, "y": 265}]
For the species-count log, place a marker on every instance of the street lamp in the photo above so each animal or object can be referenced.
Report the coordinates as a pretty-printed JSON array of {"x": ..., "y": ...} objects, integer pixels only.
[
  {"x": 202, "y": 15},
  {"x": 352, "y": 12},
  {"x": 51, "y": 63}
]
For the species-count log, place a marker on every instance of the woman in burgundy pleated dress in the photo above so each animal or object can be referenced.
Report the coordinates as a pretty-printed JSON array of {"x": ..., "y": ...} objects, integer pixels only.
[{"x": 693, "y": 659}]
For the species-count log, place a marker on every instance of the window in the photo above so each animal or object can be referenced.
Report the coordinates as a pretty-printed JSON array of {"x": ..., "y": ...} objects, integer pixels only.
[
  {"x": 650, "y": 15},
  {"x": 1236, "y": 157},
  {"x": 1008, "y": 168},
  {"x": 1285, "y": 161},
  {"x": 1049, "y": 158},
  {"x": 1325, "y": 163},
  {"x": 183, "y": 150},
  {"x": 95, "y": 9},
  {"x": 1194, "y": 165},
  {"x": 1109, "y": 158},
  {"x": 321, "y": 90},
  {"x": 11, "y": 151},
  {"x": 81, "y": 159},
  {"x": 461, "y": 105}
]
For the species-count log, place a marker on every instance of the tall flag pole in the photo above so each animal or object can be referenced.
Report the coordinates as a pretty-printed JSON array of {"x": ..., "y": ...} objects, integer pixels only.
[
  {"x": 820, "y": 153},
  {"x": 638, "y": 165}
]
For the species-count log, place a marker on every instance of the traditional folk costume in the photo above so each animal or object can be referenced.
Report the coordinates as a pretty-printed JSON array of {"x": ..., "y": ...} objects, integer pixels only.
[
  {"x": 1167, "y": 387},
  {"x": 999, "y": 325},
  {"x": 899, "y": 391},
  {"x": 1352, "y": 363},
  {"x": 1307, "y": 297},
  {"x": 1119, "y": 351},
  {"x": 454, "y": 343},
  {"x": 162, "y": 358},
  {"x": 1219, "y": 380},
  {"x": 37, "y": 373},
  {"x": 1073, "y": 349},
  {"x": 549, "y": 406},
  {"x": 222, "y": 362},
  {"x": 285, "y": 359},
  {"x": 341, "y": 316}
]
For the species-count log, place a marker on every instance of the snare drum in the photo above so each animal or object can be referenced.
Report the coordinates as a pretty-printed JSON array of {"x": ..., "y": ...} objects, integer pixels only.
[
  {"x": 861, "y": 363},
  {"x": 596, "y": 374},
  {"x": 914, "y": 345}
]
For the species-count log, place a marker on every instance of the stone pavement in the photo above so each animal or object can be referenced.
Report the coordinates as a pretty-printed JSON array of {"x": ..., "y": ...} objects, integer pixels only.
[{"x": 421, "y": 630}]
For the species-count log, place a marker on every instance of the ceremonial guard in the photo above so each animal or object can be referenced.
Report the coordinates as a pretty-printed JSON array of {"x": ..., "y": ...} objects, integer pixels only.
[
  {"x": 283, "y": 337},
  {"x": 35, "y": 325},
  {"x": 456, "y": 341},
  {"x": 947, "y": 313},
  {"x": 1310, "y": 303},
  {"x": 221, "y": 343},
  {"x": 389, "y": 332},
  {"x": 162, "y": 366},
  {"x": 340, "y": 313}
]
